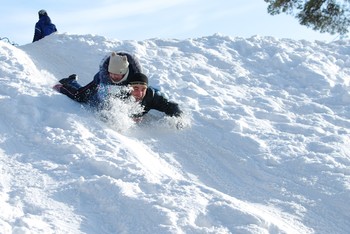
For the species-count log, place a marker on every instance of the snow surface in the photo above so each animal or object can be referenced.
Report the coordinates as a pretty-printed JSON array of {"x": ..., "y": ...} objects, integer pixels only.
[{"x": 264, "y": 149}]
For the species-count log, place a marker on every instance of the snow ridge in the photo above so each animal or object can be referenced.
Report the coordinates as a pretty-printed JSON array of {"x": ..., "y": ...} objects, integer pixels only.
[{"x": 265, "y": 148}]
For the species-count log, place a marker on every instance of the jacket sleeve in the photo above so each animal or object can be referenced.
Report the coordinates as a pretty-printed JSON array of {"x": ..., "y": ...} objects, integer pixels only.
[
  {"x": 155, "y": 100},
  {"x": 37, "y": 33},
  {"x": 96, "y": 78}
]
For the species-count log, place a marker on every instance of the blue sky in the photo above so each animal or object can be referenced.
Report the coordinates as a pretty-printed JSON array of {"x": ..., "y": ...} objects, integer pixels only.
[{"x": 141, "y": 19}]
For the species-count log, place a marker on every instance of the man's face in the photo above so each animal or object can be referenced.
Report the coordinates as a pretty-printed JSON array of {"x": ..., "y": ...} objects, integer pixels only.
[
  {"x": 138, "y": 91},
  {"x": 116, "y": 77}
]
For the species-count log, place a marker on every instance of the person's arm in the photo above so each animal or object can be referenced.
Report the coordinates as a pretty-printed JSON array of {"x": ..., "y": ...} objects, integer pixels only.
[
  {"x": 37, "y": 33},
  {"x": 155, "y": 100}
]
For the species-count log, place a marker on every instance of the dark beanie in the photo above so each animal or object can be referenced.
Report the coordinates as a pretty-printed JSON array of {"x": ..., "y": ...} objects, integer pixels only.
[
  {"x": 42, "y": 13},
  {"x": 138, "y": 78}
]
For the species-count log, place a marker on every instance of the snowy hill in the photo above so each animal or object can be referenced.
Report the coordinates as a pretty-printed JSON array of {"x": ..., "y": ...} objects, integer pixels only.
[{"x": 266, "y": 147}]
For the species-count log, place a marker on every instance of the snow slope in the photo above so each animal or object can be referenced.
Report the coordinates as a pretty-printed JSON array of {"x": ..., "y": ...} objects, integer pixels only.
[{"x": 265, "y": 148}]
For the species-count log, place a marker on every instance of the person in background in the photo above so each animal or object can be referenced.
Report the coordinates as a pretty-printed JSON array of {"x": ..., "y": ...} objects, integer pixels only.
[{"x": 44, "y": 26}]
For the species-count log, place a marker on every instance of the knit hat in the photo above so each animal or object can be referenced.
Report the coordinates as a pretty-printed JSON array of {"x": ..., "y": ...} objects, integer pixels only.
[
  {"x": 42, "y": 12},
  {"x": 138, "y": 79},
  {"x": 118, "y": 64}
]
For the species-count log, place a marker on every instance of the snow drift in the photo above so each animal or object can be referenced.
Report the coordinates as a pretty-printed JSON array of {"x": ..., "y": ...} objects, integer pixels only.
[{"x": 265, "y": 149}]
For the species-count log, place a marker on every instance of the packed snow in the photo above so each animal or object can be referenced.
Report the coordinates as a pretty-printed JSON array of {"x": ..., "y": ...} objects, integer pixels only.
[{"x": 264, "y": 146}]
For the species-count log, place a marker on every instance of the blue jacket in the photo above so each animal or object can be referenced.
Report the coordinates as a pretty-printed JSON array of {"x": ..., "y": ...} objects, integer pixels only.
[
  {"x": 43, "y": 28},
  {"x": 101, "y": 86},
  {"x": 104, "y": 85}
]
